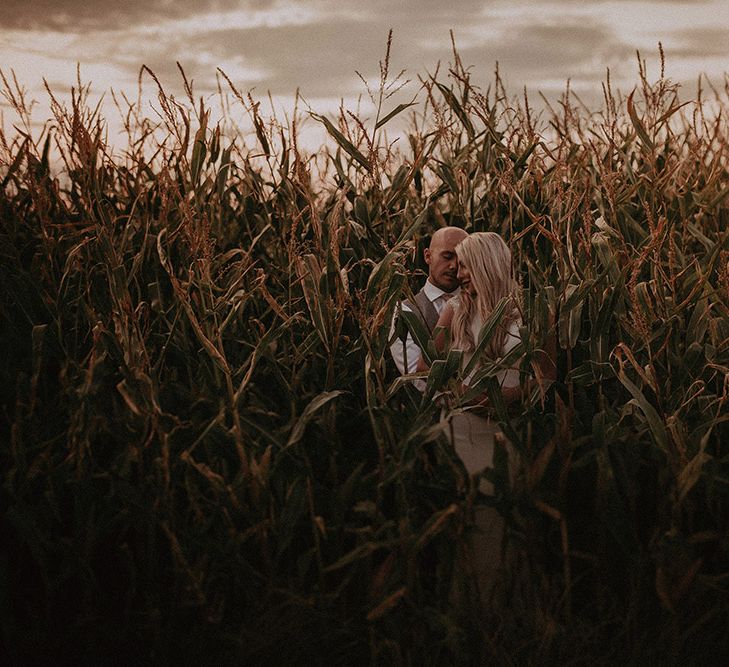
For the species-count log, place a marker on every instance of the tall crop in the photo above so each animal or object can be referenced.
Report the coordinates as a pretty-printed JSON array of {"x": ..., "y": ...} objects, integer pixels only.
[{"x": 208, "y": 453}]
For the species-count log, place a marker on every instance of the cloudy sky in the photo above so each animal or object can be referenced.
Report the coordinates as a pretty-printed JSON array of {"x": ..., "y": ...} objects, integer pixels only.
[{"x": 316, "y": 45}]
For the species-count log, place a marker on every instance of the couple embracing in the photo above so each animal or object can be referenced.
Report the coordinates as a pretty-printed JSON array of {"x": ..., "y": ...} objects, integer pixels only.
[{"x": 469, "y": 275}]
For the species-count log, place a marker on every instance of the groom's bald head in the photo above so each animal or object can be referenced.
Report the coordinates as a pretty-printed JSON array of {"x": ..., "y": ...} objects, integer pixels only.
[{"x": 441, "y": 258}]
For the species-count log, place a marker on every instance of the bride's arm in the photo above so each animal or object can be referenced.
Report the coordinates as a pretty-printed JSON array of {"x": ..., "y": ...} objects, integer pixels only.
[{"x": 544, "y": 363}]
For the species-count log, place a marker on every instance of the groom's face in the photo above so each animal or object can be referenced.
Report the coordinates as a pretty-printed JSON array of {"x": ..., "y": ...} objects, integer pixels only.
[{"x": 442, "y": 260}]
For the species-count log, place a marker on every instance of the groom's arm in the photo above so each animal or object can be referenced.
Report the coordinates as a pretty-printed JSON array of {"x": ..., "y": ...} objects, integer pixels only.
[{"x": 405, "y": 353}]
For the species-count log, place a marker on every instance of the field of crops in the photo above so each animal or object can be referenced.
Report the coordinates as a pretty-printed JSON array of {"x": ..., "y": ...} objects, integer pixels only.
[{"x": 207, "y": 454}]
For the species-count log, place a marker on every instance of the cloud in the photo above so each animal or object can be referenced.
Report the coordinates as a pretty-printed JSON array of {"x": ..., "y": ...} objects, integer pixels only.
[
  {"x": 191, "y": 40},
  {"x": 85, "y": 15},
  {"x": 700, "y": 42},
  {"x": 320, "y": 57},
  {"x": 75, "y": 15},
  {"x": 316, "y": 45},
  {"x": 561, "y": 47},
  {"x": 415, "y": 9}
]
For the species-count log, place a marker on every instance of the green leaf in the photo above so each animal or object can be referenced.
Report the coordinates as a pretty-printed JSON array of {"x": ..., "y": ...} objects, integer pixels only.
[
  {"x": 310, "y": 273},
  {"x": 198, "y": 151},
  {"x": 454, "y": 104},
  {"x": 436, "y": 524},
  {"x": 446, "y": 173},
  {"x": 496, "y": 400},
  {"x": 570, "y": 321},
  {"x": 261, "y": 135},
  {"x": 655, "y": 423},
  {"x": 691, "y": 473},
  {"x": 353, "y": 556},
  {"x": 310, "y": 410},
  {"x": 409, "y": 231},
  {"x": 590, "y": 373},
  {"x": 442, "y": 370},
  {"x": 522, "y": 159},
  {"x": 419, "y": 332},
  {"x": 393, "y": 113},
  {"x": 345, "y": 143},
  {"x": 699, "y": 323},
  {"x": 222, "y": 177},
  {"x": 361, "y": 211},
  {"x": 16, "y": 162},
  {"x": 601, "y": 243},
  {"x": 293, "y": 509},
  {"x": 486, "y": 334},
  {"x": 638, "y": 124},
  {"x": 381, "y": 275}
]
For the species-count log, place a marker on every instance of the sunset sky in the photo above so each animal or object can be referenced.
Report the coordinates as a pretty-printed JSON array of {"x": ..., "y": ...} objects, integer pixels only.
[{"x": 316, "y": 45}]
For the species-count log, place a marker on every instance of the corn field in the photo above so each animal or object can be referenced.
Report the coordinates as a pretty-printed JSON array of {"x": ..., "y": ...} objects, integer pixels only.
[{"x": 208, "y": 456}]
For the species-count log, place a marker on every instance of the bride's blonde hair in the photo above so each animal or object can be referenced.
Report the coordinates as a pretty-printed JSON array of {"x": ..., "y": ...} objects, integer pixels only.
[{"x": 488, "y": 260}]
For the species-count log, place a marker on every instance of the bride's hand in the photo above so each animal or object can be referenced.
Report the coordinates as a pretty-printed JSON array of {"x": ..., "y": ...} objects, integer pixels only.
[{"x": 442, "y": 400}]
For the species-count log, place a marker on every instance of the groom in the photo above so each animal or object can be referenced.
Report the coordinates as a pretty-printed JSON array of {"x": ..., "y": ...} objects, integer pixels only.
[{"x": 441, "y": 285}]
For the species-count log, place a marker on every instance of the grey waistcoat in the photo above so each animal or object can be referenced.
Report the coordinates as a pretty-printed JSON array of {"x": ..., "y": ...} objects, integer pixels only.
[{"x": 424, "y": 310}]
